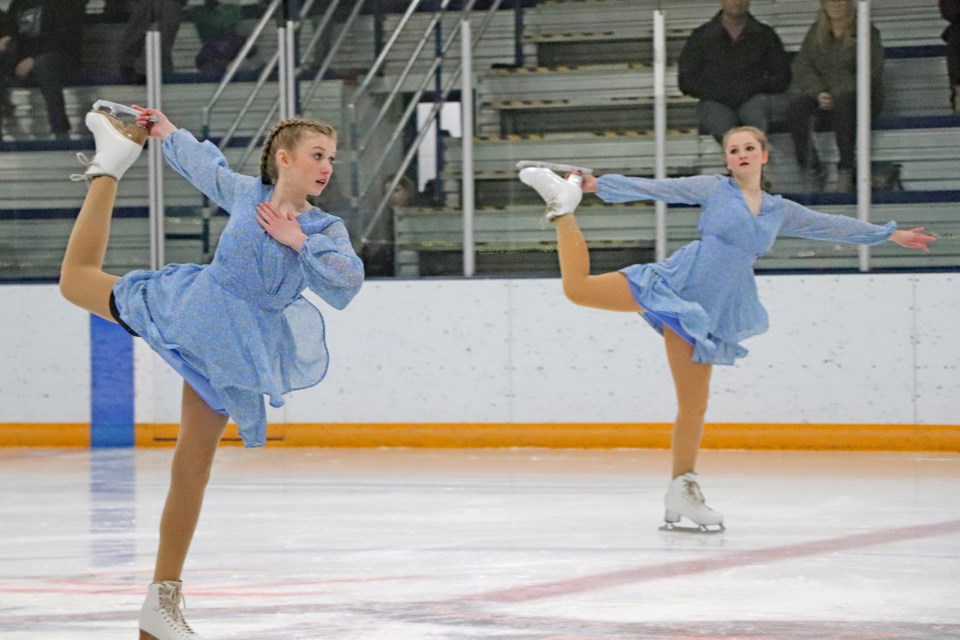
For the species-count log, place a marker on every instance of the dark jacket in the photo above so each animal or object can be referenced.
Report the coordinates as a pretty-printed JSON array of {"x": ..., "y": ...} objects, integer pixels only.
[
  {"x": 714, "y": 67},
  {"x": 950, "y": 10},
  {"x": 45, "y": 26}
]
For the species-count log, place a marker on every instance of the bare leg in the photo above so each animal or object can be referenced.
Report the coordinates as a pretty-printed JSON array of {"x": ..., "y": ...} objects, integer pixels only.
[
  {"x": 82, "y": 280},
  {"x": 692, "y": 382},
  {"x": 200, "y": 431},
  {"x": 609, "y": 291}
]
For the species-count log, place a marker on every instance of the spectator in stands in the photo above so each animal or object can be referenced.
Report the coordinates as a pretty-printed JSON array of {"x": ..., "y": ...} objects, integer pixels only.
[
  {"x": 950, "y": 10},
  {"x": 825, "y": 84},
  {"x": 167, "y": 15},
  {"x": 732, "y": 64},
  {"x": 218, "y": 27},
  {"x": 41, "y": 45}
]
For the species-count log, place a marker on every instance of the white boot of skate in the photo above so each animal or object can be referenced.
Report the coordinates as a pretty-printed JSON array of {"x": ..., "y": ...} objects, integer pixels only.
[
  {"x": 161, "y": 618},
  {"x": 685, "y": 499},
  {"x": 561, "y": 196},
  {"x": 118, "y": 146}
]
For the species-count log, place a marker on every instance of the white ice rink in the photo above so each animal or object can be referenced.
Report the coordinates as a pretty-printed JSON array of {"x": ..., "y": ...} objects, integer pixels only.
[{"x": 488, "y": 544}]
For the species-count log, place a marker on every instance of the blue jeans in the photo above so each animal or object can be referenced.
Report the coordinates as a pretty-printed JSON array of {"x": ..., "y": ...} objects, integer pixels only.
[{"x": 717, "y": 118}]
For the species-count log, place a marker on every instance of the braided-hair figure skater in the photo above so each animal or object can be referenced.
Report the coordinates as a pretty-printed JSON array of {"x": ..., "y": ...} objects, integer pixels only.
[
  {"x": 703, "y": 298},
  {"x": 236, "y": 329}
]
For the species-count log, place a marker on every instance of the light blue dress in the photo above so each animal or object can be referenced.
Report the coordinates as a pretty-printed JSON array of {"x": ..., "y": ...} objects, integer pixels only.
[
  {"x": 239, "y": 328},
  {"x": 706, "y": 291}
]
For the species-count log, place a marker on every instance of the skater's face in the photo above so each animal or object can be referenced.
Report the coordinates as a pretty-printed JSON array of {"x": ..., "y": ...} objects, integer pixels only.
[
  {"x": 309, "y": 165},
  {"x": 745, "y": 153}
]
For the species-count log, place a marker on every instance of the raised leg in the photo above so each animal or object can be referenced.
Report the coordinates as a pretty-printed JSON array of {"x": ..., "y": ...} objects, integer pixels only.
[
  {"x": 692, "y": 383},
  {"x": 609, "y": 291},
  {"x": 82, "y": 280},
  {"x": 200, "y": 430}
]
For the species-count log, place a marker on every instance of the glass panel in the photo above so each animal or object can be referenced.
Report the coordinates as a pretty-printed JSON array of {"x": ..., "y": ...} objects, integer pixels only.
[{"x": 583, "y": 95}]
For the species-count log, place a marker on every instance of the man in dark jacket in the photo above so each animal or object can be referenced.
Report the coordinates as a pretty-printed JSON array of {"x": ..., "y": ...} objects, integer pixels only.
[
  {"x": 41, "y": 43},
  {"x": 732, "y": 64},
  {"x": 950, "y": 10}
]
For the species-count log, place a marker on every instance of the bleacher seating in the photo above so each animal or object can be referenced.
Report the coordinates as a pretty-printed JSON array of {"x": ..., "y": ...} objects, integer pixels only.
[
  {"x": 584, "y": 95},
  {"x": 588, "y": 99}
]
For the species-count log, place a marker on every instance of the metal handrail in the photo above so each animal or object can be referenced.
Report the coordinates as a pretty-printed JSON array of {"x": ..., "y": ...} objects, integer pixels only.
[
  {"x": 235, "y": 65},
  {"x": 254, "y": 141},
  {"x": 431, "y": 117},
  {"x": 261, "y": 79}
]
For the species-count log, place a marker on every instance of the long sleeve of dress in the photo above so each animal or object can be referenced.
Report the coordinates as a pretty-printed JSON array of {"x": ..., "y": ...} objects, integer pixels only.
[
  {"x": 801, "y": 222},
  {"x": 205, "y": 167},
  {"x": 692, "y": 190},
  {"x": 331, "y": 266}
]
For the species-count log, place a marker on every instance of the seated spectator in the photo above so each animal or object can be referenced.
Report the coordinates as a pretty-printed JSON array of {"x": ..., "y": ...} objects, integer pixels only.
[
  {"x": 732, "y": 64},
  {"x": 218, "y": 27},
  {"x": 825, "y": 85},
  {"x": 167, "y": 15},
  {"x": 41, "y": 45},
  {"x": 950, "y": 10}
]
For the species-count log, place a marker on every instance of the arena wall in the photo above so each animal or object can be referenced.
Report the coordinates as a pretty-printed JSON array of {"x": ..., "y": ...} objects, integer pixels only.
[{"x": 857, "y": 361}]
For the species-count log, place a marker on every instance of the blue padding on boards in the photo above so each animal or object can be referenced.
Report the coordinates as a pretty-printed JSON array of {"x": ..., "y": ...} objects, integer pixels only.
[{"x": 111, "y": 384}]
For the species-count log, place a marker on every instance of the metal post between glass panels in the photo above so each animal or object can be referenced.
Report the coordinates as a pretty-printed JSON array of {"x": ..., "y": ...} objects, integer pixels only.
[
  {"x": 155, "y": 157},
  {"x": 864, "y": 180},
  {"x": 466, "y": 110},
  {"x": 660, "y": 124}
]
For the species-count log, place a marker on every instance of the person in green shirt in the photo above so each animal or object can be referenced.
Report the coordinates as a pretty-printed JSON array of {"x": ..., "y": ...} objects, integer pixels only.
[{"x": 825, "y": 84}]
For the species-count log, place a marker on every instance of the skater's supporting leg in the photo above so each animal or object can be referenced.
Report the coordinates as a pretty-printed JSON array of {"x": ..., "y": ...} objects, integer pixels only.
[
  {"x": 692, "y": 382},
  {"x": 609, "y": 291},
  {"x": 82, "y": 280},
  {"x": 200, "y": 431}
]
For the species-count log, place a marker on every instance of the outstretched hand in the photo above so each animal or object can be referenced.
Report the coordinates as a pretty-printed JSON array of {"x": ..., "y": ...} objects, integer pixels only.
[
  {"x": 912, "y": 239},
  {"x": 154, "y": 121},
  {"x": 281, "y": 226}
]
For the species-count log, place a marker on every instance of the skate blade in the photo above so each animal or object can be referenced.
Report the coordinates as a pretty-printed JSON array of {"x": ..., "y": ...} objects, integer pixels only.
[
  {"x": 116, "y": 109},
  {"x": 555, "y": 166},
  {"x": 700, "y": 529}
]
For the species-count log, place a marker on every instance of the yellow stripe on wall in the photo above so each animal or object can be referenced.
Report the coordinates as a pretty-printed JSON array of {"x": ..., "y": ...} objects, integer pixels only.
[
  {"x": 852, "y": 437},
  {"x": 23, "y": 434}
]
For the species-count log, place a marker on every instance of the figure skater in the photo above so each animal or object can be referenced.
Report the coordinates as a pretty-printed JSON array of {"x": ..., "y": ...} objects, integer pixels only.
[
  {"x": 236, "y": 329},
  {"x": 703, "y": 298}
]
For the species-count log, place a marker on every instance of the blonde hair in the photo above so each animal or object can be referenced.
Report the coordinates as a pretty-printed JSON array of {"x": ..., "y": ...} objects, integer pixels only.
[
  {"x": 757, "y": 133},
  {"x": 286, "y": 135},
  {"x": 824, "y": 30}
]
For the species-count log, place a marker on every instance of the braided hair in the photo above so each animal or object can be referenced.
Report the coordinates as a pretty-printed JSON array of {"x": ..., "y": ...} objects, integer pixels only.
[{"x": 285, "y": 135}]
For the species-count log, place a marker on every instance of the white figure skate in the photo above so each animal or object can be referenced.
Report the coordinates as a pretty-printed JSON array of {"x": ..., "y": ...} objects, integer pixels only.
[
  {"x": 684, "y": 499},
  {"x": 561, "y": 196},
  {"x": 161, "y": 618},
  {"x": 118, "y": 145}
]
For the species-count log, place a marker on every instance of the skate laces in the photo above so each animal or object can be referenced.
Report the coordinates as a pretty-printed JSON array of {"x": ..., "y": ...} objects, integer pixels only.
[
  {"x": 691, "y": 491},
  {"x": 172, "y": 600},
  {"x": 87, "y": 162}
]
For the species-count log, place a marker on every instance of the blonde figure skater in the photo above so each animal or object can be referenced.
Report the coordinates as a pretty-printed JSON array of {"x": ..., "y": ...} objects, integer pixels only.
[
  {"x": 703, "y": 298},
  {"x": 236, "y": 329}
]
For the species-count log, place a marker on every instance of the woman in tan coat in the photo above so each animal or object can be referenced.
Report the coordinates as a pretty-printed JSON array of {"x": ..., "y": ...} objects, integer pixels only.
[{"x": 825, "y": 84}]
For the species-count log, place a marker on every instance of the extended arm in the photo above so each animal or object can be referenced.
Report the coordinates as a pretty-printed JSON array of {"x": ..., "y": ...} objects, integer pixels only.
[
  {"x": 201, "y": 163},
  {"x": 801, "y": 222},
  {"x": 617, "y": 188}
]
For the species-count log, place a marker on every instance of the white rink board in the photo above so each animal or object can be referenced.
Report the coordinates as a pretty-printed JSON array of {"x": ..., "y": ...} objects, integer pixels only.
[{"x": 842, "y": 349}]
